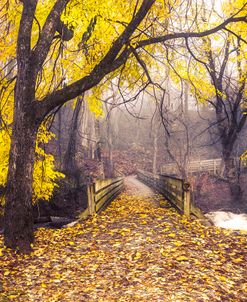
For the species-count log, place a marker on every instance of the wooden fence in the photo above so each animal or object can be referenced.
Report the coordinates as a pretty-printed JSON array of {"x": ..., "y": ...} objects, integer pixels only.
[
  {"x": 101, "y": 193},
  {"x": 176, "y": 190},
  {"x": 214, "y": 166}
]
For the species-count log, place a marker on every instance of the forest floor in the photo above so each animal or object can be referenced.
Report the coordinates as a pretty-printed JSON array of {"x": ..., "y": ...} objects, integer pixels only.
[{"x": 133, "y": 251}]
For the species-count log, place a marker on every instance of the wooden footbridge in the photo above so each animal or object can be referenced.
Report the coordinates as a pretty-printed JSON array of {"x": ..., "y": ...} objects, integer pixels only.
[{"x": 175, "y": 190}]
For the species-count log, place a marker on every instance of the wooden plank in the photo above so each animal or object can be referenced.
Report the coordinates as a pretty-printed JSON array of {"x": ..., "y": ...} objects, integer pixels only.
[
  {"x": 103, "y": 191},
  {"x": 90, "y": 198},
  {"x": 106, "y": 193},
  {"x": 174, "y": 199},
  {"x": 176, "y": 194},
  {"x": 102, "y": 184},
  {"x": 175, "y": 190},
  {"x": 187, "y": 203},
  {"x": 108, "y": 197}
]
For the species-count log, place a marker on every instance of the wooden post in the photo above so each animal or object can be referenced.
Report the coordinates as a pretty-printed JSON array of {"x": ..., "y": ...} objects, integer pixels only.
[
  {"x": 186, "y": 188},
  {"x": 215, "y": 169},
  {"x": 90, "y": 196}
]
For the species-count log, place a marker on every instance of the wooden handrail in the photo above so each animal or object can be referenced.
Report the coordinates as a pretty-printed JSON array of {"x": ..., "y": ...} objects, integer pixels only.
[
  {"x": 101, "y": 193},
  {"x": 176, "y": 190}
]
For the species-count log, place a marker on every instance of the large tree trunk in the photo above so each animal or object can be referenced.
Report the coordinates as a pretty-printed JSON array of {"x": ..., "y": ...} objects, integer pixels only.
[
  {"x": 228, "y": 133},
  {"x": 18, "y": 233}
]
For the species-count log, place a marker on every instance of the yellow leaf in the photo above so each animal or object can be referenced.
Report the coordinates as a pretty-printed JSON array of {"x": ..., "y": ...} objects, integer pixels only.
[
  {"x": 182, "y": 258},
  {"x": 137, "y": 256},
  {"x": 71, "y": 243},
  {"x": 237, "y": 260},
  {"x": 178, "y": 243},
  {"x": 172, "y": 235},
  {"x": 143, "y": 222},
  {"x": 13, "y": 296},
  {"x": 223, "y": 278},
  {"x": 43, "y": 285}
]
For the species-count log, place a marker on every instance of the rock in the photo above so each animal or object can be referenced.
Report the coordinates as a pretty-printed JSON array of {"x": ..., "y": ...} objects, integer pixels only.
[
  {"x": 70, "y": 225},
  {"x": 58, "y": 222}
]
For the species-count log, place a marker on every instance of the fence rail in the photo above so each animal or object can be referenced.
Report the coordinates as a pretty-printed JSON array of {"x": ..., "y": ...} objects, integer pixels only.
[
  {"x": 176, "y": 190},
  {"x": 214, "y": 166},
  {"x": 101, "y": 193}
]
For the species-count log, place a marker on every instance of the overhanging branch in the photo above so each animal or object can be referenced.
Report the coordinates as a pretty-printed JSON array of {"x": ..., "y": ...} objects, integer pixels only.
[
  {"x": 115, "y": 58},
  {"x": 180, "y": 35}
]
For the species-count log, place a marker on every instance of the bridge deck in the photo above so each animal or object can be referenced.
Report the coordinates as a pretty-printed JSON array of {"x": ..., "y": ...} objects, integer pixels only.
[{"x": 132, "y": 251}]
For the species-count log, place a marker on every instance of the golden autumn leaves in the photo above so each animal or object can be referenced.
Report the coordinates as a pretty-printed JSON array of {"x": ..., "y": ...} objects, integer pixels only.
[{"x": 133, "y": 251}]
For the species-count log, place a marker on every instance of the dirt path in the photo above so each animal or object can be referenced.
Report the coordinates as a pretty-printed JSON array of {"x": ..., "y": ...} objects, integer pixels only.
[
  {"x": 137, "y": 188},
  {"x": 133, "y": 251}
]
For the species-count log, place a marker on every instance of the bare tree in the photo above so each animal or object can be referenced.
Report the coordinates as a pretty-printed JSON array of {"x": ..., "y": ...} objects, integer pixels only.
[{"x": 230, "y": 115}]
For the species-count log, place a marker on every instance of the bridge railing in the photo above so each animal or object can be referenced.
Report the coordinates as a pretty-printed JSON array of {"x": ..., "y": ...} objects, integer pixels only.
[
  {"x": 176, "y": 190},
  {"x": 101, "y": 193}
]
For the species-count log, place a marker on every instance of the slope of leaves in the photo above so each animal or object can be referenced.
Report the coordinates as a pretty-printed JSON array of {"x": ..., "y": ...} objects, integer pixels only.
[{"x": 133, "y": 251}]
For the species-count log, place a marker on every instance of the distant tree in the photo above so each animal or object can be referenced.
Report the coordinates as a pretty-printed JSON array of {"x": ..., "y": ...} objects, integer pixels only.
[
  {"x": 177, "y": 129},
  {"x": 226, "y": 68}
]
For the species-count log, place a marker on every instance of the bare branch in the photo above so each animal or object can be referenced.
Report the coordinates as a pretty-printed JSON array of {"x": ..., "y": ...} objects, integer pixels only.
[{"x": 191, "y": 34}]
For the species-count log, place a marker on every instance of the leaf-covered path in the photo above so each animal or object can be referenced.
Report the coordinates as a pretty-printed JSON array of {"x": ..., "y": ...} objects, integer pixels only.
[{"x": 133, "y": 251}]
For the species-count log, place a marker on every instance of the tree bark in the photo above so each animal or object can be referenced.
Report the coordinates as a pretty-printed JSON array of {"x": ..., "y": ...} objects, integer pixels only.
[
  {"x": 232, "y": 177},
  {"x": 18, "y": 216},
  {"x": 18, "y": 203},
  {"x": 228, "y": 134},
  {"x": 59, "y": 139},
  {"x": 70, "y": 155},
  {"x": 109, "y": 162},
  {"x": 155, "y": 148}
]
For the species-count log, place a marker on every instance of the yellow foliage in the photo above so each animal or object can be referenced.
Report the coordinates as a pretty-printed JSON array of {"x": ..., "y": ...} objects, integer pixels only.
[
  {"x": 45, "y": 176},
  {"x": 94, "y": 100}
]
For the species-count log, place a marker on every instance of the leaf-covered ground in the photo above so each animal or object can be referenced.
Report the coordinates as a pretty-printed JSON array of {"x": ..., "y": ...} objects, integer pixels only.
[{"x": 133, "y": 251}]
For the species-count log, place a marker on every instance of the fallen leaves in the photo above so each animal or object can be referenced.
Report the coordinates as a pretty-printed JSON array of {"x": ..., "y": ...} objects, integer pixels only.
[{"x": 134, "y": 251}]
